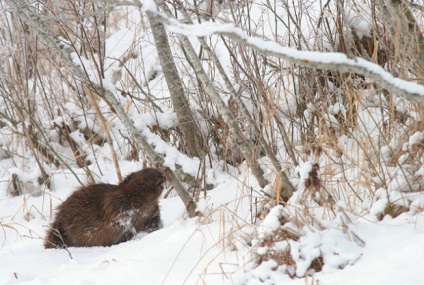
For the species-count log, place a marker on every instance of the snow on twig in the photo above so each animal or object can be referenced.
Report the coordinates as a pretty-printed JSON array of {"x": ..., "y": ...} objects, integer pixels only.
[{"x": 331, "y": 60}]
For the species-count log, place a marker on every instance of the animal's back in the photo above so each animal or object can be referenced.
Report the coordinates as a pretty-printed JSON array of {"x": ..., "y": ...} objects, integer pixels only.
[
  {"x": 105, "y": 214},
  {"x": 80, "y": 217}
]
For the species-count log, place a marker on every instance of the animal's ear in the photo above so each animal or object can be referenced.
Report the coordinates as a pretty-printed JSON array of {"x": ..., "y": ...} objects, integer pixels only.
[
  {"x": 160, "y": 177},
  {"x": 127, "y": 179}
]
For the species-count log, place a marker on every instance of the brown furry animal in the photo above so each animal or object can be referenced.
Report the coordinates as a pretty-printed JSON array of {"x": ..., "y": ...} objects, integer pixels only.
[{"x": 105, "y": 214}]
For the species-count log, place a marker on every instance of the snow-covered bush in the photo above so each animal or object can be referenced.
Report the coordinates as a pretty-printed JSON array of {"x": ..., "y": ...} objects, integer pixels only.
[{"x": 307, "y": 116}]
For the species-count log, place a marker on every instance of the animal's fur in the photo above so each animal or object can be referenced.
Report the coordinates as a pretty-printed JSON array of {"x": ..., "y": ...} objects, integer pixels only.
[{"x": 105, "y": 214}]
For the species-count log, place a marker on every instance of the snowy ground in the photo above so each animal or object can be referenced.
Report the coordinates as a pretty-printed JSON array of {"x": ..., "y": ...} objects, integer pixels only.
[
  {"x": 216, "y": 248},
  {"x": 206, "y": 250}
]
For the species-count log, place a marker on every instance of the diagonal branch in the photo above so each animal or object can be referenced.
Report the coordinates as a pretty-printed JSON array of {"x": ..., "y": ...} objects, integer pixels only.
[
  {"x": 244, "y": 145},
  {"x": 331, "y": 60},
  {"x": 27, "y": 15},
  {"x": 288, "y": 186}
]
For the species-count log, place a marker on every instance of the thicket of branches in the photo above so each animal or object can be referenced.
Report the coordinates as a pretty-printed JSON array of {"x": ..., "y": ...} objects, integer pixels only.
[{"x": 65, "y": 94}]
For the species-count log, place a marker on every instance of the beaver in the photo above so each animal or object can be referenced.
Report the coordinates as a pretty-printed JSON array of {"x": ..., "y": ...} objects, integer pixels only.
[{"x": 106, "y": 214}]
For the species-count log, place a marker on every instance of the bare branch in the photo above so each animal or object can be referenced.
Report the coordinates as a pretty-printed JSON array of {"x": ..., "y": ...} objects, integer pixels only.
[
  {"x": 27, "y": 15},
  {"x": 331, "y": 61},
  {"x": 179, "y": 99}
]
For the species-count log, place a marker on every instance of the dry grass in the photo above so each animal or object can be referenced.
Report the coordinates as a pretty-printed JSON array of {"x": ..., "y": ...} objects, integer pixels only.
[{"x": 355, "y": 134}]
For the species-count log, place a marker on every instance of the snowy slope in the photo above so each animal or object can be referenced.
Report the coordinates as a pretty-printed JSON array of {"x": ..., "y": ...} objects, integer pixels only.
[{"x": 206, "y": 250}]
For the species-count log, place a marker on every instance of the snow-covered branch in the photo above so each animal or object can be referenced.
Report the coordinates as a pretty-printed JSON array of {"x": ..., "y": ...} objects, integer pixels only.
[
  {"x": 331, "y": 60},
  {"x": 79, "y": 70},
  {"x": 244, "y": 145}
]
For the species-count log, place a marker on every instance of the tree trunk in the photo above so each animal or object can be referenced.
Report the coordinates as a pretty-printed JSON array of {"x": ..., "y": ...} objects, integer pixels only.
[
  {"x": 191, "y": 132},
  {"x": 39, "y": 27},
  {"x": 246, "y": 148}
]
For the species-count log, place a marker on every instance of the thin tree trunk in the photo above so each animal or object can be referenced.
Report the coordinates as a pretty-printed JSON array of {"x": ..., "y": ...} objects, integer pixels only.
[
  {"x": 245, "y": 147},
  {"x": 23, "y": 11},
  {"x": 148, "y": 150},
  {"x": 287, "y": 185},
  {"x": 180, "y": 102}
]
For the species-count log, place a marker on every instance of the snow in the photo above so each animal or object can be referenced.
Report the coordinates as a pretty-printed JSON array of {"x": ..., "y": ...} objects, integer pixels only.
[
  {"x": 305, "y": 169},
  {"x": 392, "y": 254},
  {"x": 168, "y": 255},
  {"x": 193, "y": 251},
  {"x": 357, "y": 244},
  {"x": 416, "y": 138},
  {"x": 308, "y": 58},
  {"x": 148, "y": 5},
  {"x": 271, "y": 222}
]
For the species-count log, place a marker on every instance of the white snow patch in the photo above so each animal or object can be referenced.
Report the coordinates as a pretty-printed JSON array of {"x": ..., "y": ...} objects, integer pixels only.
[{"x": 416, "y": 138}]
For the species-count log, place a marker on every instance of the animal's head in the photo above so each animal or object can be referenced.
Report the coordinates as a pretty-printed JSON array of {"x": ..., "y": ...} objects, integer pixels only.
[{"x": 149, "y": 178}]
